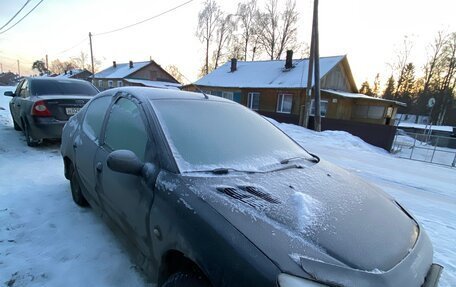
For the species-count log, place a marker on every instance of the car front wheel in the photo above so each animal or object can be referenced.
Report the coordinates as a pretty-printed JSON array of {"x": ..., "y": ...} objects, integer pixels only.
[
  {"x": 183, "y": 279},
  {"x": 76, "y": 192}
]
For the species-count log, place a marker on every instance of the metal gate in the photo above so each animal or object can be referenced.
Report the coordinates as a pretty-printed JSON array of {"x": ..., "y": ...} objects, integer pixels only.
[{"x": 425, "y": 147}]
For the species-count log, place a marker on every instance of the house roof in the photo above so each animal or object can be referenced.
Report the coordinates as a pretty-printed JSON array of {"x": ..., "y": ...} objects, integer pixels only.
[
  {"x": 361, "y": 96},
  {"x": 121, "y": 70},
  {"x": 155, "y": 84},
  {"x": 70, "y": 73},
  {"x": 266, "y": 74}
]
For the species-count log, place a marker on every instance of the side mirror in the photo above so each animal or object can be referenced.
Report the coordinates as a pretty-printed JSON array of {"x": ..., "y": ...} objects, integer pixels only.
[
  {"x": 125, "y": 161},
  {"x": 9, "y": 94}
]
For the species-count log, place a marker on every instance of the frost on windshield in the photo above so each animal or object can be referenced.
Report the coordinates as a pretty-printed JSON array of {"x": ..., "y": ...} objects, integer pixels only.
[{"x": 206, "y": 135}]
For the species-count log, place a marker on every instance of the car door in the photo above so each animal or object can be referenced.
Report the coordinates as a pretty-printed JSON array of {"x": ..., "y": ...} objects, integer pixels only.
[
  {"x": 16, "y": 101},
  {"x": 127, "y": 198},
  {"x": 87, "y": 143}
]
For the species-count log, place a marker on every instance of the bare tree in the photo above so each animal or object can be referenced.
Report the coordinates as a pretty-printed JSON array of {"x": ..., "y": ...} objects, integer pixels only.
[
  {"x": 224, "y": 31},
  {"x": 401, "y": 64},
  {"x": 207, "y": 22},
  {"x": 288, "y": 29},
  {"x": 174, "y": 71},
  {"x": 267, "y": 28},
  {"x": 277, "y": 31},
  {"x": 246, "y": 12},
  {"x": 81, "y": 60},
  {"x": 60, "y": 67},
  {"x": 435, "y": 59}
]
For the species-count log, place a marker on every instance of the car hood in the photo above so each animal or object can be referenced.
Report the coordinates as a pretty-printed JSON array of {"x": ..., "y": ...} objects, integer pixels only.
[{"x": 316, "y": 214}]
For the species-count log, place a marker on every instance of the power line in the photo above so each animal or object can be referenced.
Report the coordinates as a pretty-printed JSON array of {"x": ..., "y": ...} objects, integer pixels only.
[
  {"x": 72, "y": 47},
  {"x": 23, "y": 6},
  {"x": 22, "y": 18},
  {"x": 145, "y": 20}
]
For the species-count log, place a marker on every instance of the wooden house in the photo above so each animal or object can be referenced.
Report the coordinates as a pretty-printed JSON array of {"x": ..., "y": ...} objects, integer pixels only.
[
  {"x": 277, "y": 89},
  {"x": 145, "y": 74}
]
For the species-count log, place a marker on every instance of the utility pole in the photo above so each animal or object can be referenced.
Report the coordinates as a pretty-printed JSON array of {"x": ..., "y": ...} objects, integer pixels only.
[
  {"x": 47, "y": 64},
  {"x": 91, "y": 55},
  {"x": 317, "y": 69},
  {"x": 307, "y": 102},
  {"x": 18, "y": 69},
  {"x": 1, "y": 68}
]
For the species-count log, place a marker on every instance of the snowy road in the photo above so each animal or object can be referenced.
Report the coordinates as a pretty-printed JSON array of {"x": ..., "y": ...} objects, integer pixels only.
[{"x": 45, "y": 240}]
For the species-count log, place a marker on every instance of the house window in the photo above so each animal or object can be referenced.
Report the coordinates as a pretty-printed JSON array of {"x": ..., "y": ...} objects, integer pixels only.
[
  {"x": 323, "y": 108},
  {"x": 110, "y": 84},
  {"x": 284, "y": 102},
  {"x": 119, "y": 83},
  {"x": 253, "y": 101},
  {"x": 100, "y": 83},
  {"x": 369, "y": 112},
  {"x": 227, "y": 95}
]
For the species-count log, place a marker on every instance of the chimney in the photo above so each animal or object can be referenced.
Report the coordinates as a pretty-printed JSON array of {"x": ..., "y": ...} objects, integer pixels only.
[
  {"x": 65, "y": 72},
  {"x": 233, "y": 65},
  {"x": 71, "y": 72},
  {"x": 114, "y": 64},
  {"x": 131, "y": 64},
  {"x": 289, "y": 60}
]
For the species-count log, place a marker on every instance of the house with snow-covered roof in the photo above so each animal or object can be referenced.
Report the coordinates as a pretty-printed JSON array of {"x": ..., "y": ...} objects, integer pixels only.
[
  {"x": 82, "y": 74},
  {"x": 145, "y": 74},
  {"x": 277, "y": 89}
]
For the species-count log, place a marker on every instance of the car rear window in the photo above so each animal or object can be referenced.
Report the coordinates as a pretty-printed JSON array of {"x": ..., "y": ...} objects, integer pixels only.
[{"x": 62, "y": 87}]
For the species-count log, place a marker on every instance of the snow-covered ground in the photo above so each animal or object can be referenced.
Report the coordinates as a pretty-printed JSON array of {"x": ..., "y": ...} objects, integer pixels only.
[{"x": 45, "y": 240}]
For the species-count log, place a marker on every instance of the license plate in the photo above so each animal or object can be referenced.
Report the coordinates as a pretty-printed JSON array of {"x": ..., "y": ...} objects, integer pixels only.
[{"x": 72, "y": 111}]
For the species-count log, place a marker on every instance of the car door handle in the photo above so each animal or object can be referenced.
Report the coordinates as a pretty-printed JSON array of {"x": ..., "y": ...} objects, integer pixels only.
[{"x": 99, "y": 167}]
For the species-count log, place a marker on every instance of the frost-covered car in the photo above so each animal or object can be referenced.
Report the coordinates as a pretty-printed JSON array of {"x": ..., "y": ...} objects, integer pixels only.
[
  {"x": 210, "y": 193},
  {"x": 41, "y": 106}
]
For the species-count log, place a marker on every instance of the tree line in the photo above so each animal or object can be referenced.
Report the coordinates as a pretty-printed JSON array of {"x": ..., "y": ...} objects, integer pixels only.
[
  {"x": 438, "y": 81},
  {"x": 249, "y": 33}
]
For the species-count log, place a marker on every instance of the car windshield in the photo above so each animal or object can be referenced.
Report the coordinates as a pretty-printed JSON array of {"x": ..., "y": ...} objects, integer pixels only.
[
  {"x": 62, "y": 87},
  {"x": 207, "y": 135}
]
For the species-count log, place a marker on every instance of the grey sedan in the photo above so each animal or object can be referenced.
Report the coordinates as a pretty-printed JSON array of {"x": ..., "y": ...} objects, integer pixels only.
[
  {"x": 209, "y": 193},
  {"x": 40, "y": 107}
]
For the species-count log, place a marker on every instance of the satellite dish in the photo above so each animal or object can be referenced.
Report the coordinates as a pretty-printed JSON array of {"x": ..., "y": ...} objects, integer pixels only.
[{"x": 431, "y": 102}]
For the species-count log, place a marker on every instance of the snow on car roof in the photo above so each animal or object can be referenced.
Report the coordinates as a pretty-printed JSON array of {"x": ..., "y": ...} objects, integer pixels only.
[
  {"x": 155, "y": 84},
  {"x": 266, "y": 74},
  {"x": 121, "y": 70}
]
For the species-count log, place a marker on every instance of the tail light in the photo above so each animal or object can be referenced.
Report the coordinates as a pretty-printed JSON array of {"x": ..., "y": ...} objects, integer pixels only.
[{"x": 40, "y": 109}]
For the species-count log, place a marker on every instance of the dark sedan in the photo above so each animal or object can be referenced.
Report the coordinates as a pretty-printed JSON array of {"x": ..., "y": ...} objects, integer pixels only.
[
  {"x": 40, "y": 107},
  {"x": 209, "y": 193}
]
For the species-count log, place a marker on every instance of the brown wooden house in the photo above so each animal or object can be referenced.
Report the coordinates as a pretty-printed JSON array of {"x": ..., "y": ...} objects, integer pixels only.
[
  {"x": 145, "y": 74},
  {"x": 277, "y": 89}
]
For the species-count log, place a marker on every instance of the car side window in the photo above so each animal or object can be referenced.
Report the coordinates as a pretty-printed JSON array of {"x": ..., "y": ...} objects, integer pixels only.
[
  {"x": 24, "y": 90},
  {"x": 94, "y": 117},
  {"x": 125, "y": 128}
]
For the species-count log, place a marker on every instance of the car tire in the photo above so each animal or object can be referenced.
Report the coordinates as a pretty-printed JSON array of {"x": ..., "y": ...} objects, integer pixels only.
[
  {"x": 28, "y": 138},
  {"x": 184, "y": 279},
  {"x": 76, "y": 192},
  {"x": 16, "y": 126}
]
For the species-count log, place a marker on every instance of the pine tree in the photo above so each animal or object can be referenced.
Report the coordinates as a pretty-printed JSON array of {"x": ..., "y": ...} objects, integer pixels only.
[
  {"x": 376, "y": 87},
  {"x": 388, "y": 93},
  {"x": 365, "y": 89}
]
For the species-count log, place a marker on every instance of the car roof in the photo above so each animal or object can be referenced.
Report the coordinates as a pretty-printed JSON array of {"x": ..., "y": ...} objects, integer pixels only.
[
  {"x": 151, "y": 94},
  {"x": 55, "y": 79}
]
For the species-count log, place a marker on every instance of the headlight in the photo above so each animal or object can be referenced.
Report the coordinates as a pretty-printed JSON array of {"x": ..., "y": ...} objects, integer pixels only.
[{"x": 286, "y": 280}]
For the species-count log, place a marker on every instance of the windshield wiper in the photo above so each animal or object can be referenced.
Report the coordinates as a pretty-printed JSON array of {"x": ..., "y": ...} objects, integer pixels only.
[
  {"x": 220, "y": 170},
  {"x": 314, "y": 159}
]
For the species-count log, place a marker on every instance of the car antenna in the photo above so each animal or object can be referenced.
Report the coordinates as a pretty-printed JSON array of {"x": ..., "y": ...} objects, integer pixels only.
[{"x": 196, "y": 87}]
